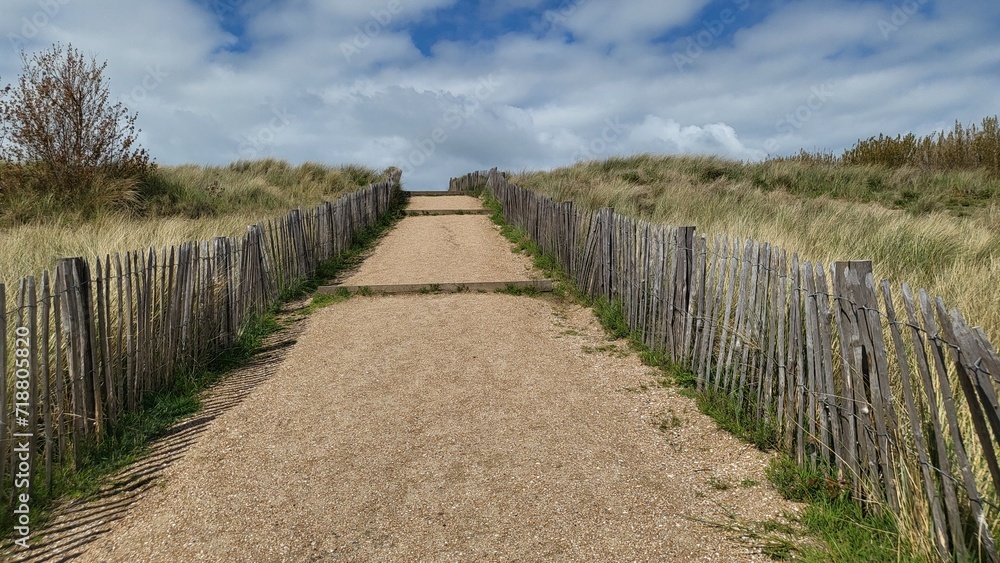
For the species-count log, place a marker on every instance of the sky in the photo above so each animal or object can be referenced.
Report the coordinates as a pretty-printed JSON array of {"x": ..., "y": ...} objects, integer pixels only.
[{"x": 441, "y": 88}]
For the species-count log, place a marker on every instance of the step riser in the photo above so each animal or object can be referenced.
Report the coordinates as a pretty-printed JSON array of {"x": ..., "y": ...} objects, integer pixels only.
[
  {"x": 436, "y": 212},
  {"x": 470, "y": 287}
]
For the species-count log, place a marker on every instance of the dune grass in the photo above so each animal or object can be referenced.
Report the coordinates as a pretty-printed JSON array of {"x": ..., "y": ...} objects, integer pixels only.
[
  {"x": 173, "y": 204},
  {"x": 257, "y": 186},
  {"x": 965, "y": 147},
  {"x": 933, "y": 229},
  {"x": 826, "y": 213}
]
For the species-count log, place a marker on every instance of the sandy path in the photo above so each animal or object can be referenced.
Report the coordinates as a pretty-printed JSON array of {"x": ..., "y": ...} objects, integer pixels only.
[
  {"x": 440, "y": 428},
  {"x": 444, "y": 203},
  {"x": 442, "y": 249}
]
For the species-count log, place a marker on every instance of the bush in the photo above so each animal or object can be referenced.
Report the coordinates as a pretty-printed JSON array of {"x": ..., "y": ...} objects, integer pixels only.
[
  {"x": 60, "y": 133},
  {"x": 963, "y": 148}
]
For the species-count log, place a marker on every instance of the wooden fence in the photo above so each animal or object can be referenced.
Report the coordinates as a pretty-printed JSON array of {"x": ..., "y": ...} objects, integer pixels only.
[
  {"x": 89, "y": 342},
  {"x": 470, "y": 183},
  {"x": 891, "y": 392}
]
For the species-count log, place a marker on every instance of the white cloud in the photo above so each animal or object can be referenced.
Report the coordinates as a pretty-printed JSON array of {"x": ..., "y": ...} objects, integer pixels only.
[
  {"x": 288, "y": 90},
  {"x": 637, "y": 20},
  {"x": 658, "y": 135}
]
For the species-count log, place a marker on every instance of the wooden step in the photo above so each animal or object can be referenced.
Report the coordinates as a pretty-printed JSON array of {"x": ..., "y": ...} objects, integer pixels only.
[
  {"x": 434, "y": 193},
  {"x": 426, "y": 212},
  {"x": 392, "y": 289}
]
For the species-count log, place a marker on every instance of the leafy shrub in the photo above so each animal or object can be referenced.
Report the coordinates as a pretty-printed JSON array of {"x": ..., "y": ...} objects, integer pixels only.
[{"x": 60, "y": 133}]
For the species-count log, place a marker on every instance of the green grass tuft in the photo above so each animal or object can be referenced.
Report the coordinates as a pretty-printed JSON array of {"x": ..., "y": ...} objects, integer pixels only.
[
  {"x": 322, "y": 300},
  {"x": 847, "y": 531},
  {"x": 740, "y": 418}
]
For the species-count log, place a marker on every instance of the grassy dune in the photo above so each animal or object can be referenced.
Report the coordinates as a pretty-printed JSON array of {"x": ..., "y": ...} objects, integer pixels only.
[
  {"x": 175, "y": 204},
  {"x": 266, "y": 186},
  {"x": 936, "y": 230},
  {"x": 939, "y": 230}
]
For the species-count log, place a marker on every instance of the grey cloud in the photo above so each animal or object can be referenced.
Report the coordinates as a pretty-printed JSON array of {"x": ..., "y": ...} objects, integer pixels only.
[{"x": 552, "y": 100}]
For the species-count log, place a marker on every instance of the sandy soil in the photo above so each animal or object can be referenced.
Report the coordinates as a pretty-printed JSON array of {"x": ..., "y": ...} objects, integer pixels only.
[
  {"x": 434, "y": 428},
  {"x": 444, "y": 203},
  {"x": 442, "y": 249}
]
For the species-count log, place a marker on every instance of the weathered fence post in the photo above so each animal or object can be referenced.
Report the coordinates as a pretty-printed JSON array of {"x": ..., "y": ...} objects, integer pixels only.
[
  {"x": 72, "y": 279},
  {"x": 44, "y": 375},
  {"x": 854, "y": 404},
  {"x": 606, "y": 215},
  {"x": 222, "y": 286},
  {"x": 865, "y": 378},
  {"x": 683, "y": 281}
]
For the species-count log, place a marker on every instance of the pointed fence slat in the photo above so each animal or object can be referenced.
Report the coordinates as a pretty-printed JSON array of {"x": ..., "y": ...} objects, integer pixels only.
[
  {"x": 942, "y": 465},
  {"x": 929, "y": 481},
  {"x": 828, "y": 398},
  {"x": 781, "y": 327},
  {"x": 940, "y": 351}
]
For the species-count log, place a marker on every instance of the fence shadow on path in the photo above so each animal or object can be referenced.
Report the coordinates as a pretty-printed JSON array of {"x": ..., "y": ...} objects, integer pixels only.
[{"x": 77, "y": 524}]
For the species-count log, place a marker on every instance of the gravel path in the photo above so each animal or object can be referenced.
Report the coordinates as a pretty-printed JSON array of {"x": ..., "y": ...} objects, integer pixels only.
[
  {"x": 442, "y": 249},
  {"x": 440, "y": 428},
  {"x": 443, "y": 203}
]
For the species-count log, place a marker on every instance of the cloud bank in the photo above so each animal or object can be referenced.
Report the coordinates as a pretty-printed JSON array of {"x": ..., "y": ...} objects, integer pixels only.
[{"x": 440, "y": 87}]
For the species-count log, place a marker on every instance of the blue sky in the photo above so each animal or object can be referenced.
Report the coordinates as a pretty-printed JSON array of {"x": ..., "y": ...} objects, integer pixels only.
[{"x": 440, "y": 88}]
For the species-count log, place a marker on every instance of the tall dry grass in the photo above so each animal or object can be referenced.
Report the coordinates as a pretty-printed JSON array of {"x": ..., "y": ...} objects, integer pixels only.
[
  {"x": 952, "y": 253},
  {"x": 174, "y": 204},
  {"x": 33, "y": 248},
  {"x": 969, "y": 147},
  {"x": 827, "y": 213},
  {"x": 258, "y": 185}
]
